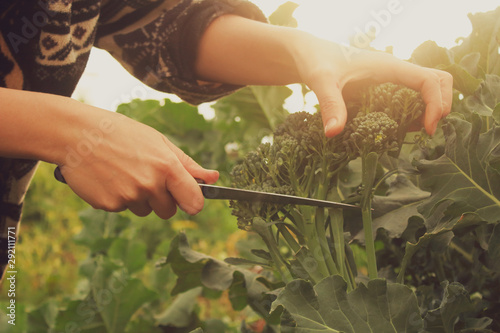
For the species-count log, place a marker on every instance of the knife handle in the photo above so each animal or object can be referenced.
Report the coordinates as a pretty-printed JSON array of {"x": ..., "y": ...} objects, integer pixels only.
[{"x": 58, "y": 175}]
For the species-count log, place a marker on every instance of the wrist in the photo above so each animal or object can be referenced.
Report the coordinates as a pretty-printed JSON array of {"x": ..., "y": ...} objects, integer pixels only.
[
  {"x": 82, "y": 128},
  {"x": 43, "y": 126}
]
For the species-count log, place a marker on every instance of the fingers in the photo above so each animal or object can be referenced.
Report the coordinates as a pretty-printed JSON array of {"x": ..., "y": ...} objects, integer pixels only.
[
  {"x": 179, "y": 188},
  {"x": 437, "y": 94},
  {"x": 140, "y": 208},
  {"x": 332, "y": 106},
  {"x": 194, "y": 169},
  {"x": 436, "y": 88},
  {"x": 163, "y": 204},
  {"x": 180, "y": 180}
]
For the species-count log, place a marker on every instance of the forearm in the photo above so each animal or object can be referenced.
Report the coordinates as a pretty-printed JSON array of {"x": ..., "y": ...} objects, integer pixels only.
[
  {"x": 240, "y": 51},
  {"x": 42, "y": 126}
]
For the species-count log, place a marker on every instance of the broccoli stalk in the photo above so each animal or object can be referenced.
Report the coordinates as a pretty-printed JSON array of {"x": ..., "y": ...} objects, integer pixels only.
[{"x": 302, "y": 161}]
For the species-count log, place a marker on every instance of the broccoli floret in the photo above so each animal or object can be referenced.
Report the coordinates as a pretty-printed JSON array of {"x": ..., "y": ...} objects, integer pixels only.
[
  {"x": 303, "y": 161},
  {"x": 372, "y": 132},
  {"x": 402, "y": 104}
]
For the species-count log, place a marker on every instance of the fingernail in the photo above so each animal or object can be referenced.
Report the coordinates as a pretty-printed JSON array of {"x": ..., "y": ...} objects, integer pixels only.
[{"x": 331, "y": 124}]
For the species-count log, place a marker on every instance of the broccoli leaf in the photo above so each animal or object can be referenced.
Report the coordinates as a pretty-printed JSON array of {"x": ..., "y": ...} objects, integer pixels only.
[
  {"x": 181, "y": 312},
  {"x": 196, "y": 269},
  {"x": 494, "y": 249},
  {"x": 284, "y": 15},
  {"x": 486, "y": 98},
  {"x": 392, "y": 212},
  {"x": 429, "y": 54},
  {"x": 467, "y": 176},
  {"x": 464, "y": 184},
  {"x": 455, "y": 301},
  {"x": 327, "y": 307},
  {"x": 484, "y": 39}
]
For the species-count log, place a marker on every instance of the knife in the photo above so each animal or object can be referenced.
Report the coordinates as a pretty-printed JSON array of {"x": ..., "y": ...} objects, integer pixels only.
[{"x": 228, "y": 193}]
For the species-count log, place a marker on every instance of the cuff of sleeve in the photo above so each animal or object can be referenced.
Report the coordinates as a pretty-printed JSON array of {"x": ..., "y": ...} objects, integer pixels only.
[{"x": 191, "y": 25}]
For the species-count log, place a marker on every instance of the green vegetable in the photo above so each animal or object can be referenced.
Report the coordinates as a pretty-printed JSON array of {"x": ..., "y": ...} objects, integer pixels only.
[{"x": 302, "y": 161}]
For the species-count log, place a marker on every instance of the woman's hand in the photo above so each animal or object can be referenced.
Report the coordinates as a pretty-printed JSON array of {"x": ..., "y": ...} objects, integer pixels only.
[
  {"x": 240, "y": 51},
  {"x": 111, "y": 161},
  {"x": 128, "y": 165},
  {"x": 327, "y": 68}
]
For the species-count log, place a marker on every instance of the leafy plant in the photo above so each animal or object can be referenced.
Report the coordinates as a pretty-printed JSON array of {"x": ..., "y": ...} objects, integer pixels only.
[
  {"x": 421, "y": 255},
  {"x": 430, "y": 242}
]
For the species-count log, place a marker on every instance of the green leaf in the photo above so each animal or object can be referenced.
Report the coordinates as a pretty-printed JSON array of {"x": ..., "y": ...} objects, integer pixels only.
[
  {"x": 496, "y": 113},
  {"x": 306, "y": 265},
  {"x": 455, "y": 302},
  {"x": 214, "y": 326},
  {"x": 284, "y": 15},
  {"x": 198, "y": 330},
  {"x": 100, "y": 229},
  {"x": 483, "y": 40},
  {"x": 391, "y": 212},
  {"x": 243, "y": 261},
  {"x": 494, "y": 249},
  {"x": 261, "y": 107},
  {"x": 486, "y": 98},
  {"x": 327, "y": 307},
  {"x": 176, "y": 119},
  {"x": 463, "y": 81},
  {"x": 429, "y": 54},
  {"x": 464, "y": 187},
  {"x": 196, "y": 269},
  {"x": 180, "y": 313},
  {"x": 463, "y": 176},
  {"x": 117, "y": 296},
  {"x": 81, "y": 315},
  {"x": 263, "y": 254},
  {"x": 43, "y": 318},
  {"x": 439, "y": 231},
  {"x": 470, "y": 62},
  {"x": 238, "y": 295},
  {"x": 131, "y": 253}
]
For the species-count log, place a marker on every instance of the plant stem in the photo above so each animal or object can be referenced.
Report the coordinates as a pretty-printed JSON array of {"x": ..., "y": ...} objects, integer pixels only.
[
  {"x": 261, "y": 227},
  {"x": 369, "y": 241},
  {"x": 325, "y": 249},
  {"x": 337, "y": 227},
  {"x": 294, "y": 245},
  {"x": 368, "y": 166},
  {"x": 312, "y": 242}
]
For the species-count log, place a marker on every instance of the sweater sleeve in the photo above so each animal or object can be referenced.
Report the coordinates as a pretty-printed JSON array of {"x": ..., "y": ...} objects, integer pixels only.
[{"x": 157, "y": 41}]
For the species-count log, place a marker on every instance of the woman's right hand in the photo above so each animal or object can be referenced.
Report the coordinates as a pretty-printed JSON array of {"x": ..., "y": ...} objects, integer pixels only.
[
  {"x": 122, "y": 164},
  {"x": 109, "y": 160}
]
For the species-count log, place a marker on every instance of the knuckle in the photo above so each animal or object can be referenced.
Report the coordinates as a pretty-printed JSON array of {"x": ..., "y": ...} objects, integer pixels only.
[
  {"x": 170, "y": 170},
  {"x": 446, "y": 77},
  {"x": 112, "y": 206}
]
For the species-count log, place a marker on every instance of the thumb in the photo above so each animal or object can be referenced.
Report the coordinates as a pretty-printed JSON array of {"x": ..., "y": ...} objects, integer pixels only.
[
  {"x": 197, "y": 171},
  {"x": 333, "y": 109}
]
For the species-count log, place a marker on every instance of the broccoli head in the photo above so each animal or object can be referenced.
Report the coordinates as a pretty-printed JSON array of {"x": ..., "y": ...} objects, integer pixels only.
[
  {"x": 303, "y": 161},
  {"x": 371, "y": 132}
]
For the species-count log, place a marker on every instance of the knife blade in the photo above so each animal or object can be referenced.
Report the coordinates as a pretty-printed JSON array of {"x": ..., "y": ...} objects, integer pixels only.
[{"x": 228, "y": 193}]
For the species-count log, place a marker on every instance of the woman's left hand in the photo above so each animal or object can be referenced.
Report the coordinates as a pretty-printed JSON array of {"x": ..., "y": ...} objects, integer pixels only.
[
  {"x": 236, "y": 50},
  {"x": 327, "y": 68}
]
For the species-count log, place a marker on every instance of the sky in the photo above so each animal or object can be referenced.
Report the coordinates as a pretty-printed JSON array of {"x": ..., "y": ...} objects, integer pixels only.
[{"x": 400, "y": 24}]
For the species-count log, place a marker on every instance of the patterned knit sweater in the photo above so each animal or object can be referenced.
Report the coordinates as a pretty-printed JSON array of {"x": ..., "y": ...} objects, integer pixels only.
[{"x": 45, "y": 45}]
